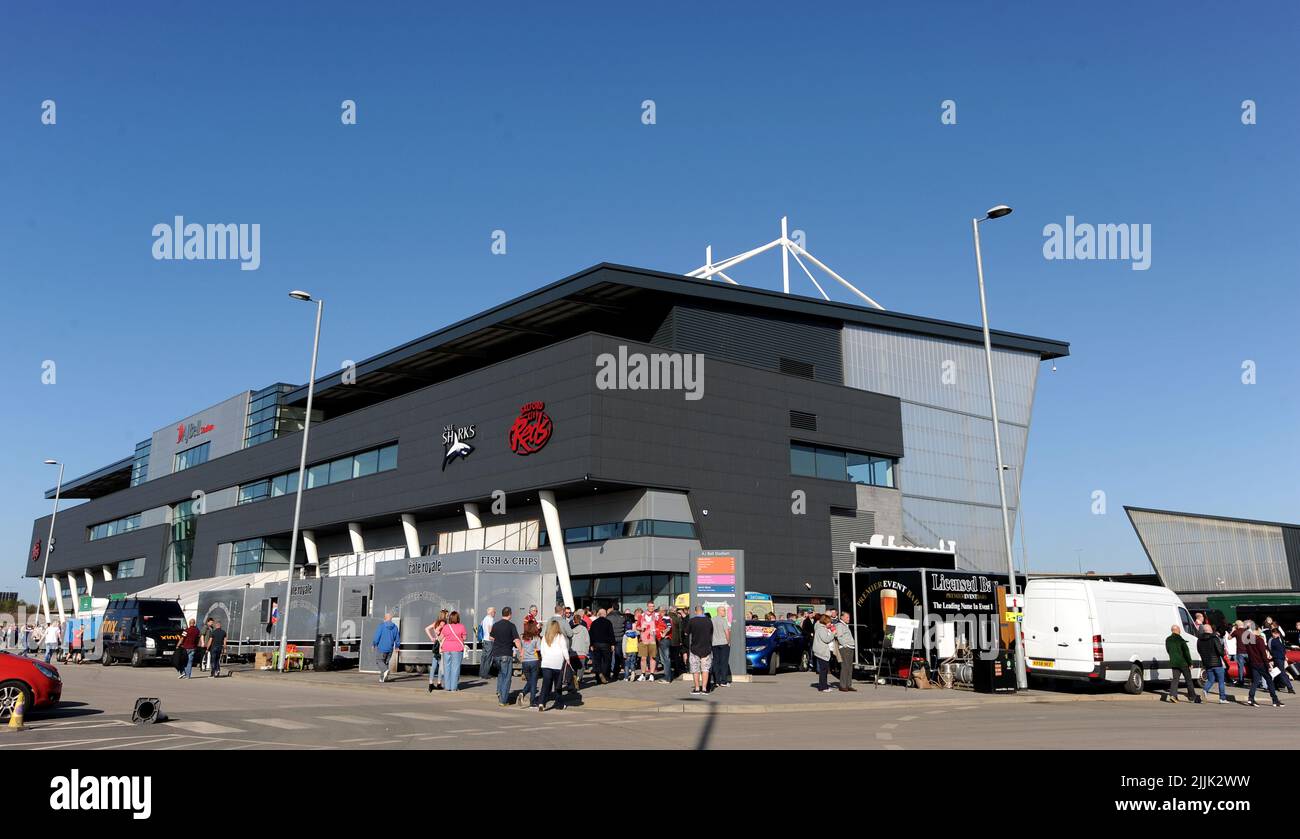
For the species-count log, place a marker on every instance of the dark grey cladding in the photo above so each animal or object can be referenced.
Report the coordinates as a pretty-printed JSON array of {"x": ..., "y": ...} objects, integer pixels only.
[{"x": 728, "y": 450}]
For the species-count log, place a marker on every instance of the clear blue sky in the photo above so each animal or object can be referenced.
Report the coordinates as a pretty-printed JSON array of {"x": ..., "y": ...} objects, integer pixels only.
[{"x": 526, "y": 117}]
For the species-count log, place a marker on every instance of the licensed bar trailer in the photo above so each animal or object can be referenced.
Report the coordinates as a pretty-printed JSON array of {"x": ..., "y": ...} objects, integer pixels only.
[
  {"x": 416, "y": 589},
  {"x": 953, "y": 624}
]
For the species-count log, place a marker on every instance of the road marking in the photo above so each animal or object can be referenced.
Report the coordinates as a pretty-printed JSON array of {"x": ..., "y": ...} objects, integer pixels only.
[
  {"x": 463, "y": 730},
  {"x": 484, "y": 733},
  {"x": 354, "y": 740},
  {"x": 884, "y": 735},
  {"x": 289, "y": 725},
  {"x": 350, "y": 720},
  {"x": 889, "y": 725},
  {"x": 501, "y": 715},
  {"x": 907, "y": 718},
  {"x": 200, "y": 727},
  {"x": 137, "y": 743},
  {"x": 416, "y": 715},
  {"x": 436, "y": 737},
  {"x": 376, "y": 742},
  {"x": 893, "y": 747}
]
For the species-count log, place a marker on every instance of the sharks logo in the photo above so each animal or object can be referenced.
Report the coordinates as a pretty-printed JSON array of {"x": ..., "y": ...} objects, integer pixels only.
[{"x": 454, "y": 443}]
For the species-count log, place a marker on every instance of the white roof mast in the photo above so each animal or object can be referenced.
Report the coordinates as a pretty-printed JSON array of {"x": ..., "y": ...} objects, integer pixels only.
[{"x": 789, "y": 248}]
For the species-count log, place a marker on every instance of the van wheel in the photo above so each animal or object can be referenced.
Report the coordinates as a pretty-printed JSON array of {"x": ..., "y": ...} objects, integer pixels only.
[
  {"x": 107, "y": 660},
  {"x": 1135, "y": 682},
  {"x": 774, "y": 664},
  {"x": 9, "y": 693},
  {"x": 137, "y": 658}
]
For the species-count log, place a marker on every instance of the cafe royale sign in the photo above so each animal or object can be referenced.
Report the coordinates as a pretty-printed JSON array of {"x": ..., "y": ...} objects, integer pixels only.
[{"x": 474, "y": 561}]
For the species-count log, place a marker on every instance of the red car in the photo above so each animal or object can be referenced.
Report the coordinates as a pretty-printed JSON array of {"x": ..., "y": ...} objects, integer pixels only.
[
  {"x": 1292, "y": 657},
  {"x": 37, "y": 682}
]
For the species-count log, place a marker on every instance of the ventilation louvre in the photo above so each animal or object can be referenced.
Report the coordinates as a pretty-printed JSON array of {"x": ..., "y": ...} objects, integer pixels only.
[
  {"x": 803, "y": 420},
  {"x": 792, "y": 367}
]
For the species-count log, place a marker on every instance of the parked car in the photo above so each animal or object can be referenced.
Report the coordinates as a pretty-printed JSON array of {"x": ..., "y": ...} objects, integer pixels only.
[
  {"x": 771, "y": 645},
  {"x": 37, "y": 682},
  {"x": 1097, "y": 631}
]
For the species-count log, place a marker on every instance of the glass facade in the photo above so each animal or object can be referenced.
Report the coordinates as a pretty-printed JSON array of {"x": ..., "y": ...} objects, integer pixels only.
[
  {"x": 191, "y": 457},
  {"x": 113, "y": 528},
  {"x": 252, "y": 556},
  {"x": 948, "y": 477},
  {"x": 140, "y": 465},
  {"x": 268, "y": 419},
  {"x": 129, "y": 568},
  {"x": 334, "y": 471},
  {"x": 628, "y": 592},
  {"x": 841, "y": 465},
  {"x": 180, "y": 549},
  {"x": 623, "y": 530}
]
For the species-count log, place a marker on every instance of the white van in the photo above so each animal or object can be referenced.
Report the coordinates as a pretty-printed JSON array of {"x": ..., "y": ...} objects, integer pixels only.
[{"x": 1097, "y": 631}]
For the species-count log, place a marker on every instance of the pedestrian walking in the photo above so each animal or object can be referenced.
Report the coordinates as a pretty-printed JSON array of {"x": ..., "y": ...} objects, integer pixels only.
[
  {"x": 203, "y": 644},
  {"x": 1277, "y": 649},
  {"x": 452, "y": 638},
  {"x": 52, "y": 638},
  {"x": 504, "y": 638},
  {"x": 848, "y": 651},
  {"x": 1260, "y": 661},
  {"x": 721, "y": 653},
  {"x": 485, "y": 644},
  {"x": 1209, "y": 646},
  {"x": 215, "y": 646},
  {"x": 78, "y": 644},
  {"x": 189, "y": 646},
  {"x": 530, "y": 660},
  {"x": 385, "y": 644},
  {"x": 1180, "y": 662},
  {"x": 823, "y": 636},
  {"x": 434, "y": 632},
  {"x": 555, "y": 657},
  {"x": 699, "y": 650}
]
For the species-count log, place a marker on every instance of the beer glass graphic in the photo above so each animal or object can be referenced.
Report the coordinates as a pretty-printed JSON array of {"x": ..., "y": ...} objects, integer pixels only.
[{"x": 888, "y": 606}]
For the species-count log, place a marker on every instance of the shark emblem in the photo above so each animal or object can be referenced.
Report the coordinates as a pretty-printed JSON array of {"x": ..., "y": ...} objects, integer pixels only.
[{"x": 454, "y": 445}]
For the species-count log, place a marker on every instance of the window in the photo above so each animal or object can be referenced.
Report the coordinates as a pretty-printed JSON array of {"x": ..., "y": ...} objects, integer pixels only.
[
  {"x": 140, "y": 464},
  {"x": 129, "y": 568},
  {"x": 318, "y": 475},
  {"x": 113, "y": 528},
  {"x": 577, "y": 534},
  {"x": 340, "y": 470},
  {"x": 366, "y": 463},
  {"x": 254, "y": 492},
  {"x": 841, "y": 465},
  {"x": 601, "y": 532},
  {"x": 191, "y": 457},
  {"x": 388, "y": 458},
  {"x": 624, "y": 530},
  {"x": 675, "y": 529},
  {"x": 252, "y": 556}
]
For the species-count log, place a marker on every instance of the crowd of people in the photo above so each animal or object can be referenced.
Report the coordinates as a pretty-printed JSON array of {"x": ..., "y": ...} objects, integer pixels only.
[
  {"x": 1257, "y": 652},
  {"x": 44, "y": 639},
  {"x": 556, "y": 654}
]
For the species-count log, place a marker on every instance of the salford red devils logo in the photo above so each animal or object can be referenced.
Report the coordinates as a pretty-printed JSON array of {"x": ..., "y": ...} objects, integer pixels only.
[
  {"x": 36, "y": 550},
  {"x": 531, "y": 430}
]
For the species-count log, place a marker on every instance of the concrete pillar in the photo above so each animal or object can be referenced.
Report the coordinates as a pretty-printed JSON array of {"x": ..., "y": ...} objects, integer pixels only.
[
  {"x": 90, "y": 583},
  {"x": 58, "y": 598},
  {"x": 472, "y": 520},
  {"x": 309, "y": 547},
  {"x": 551, "y": 515},
  {"x": 354, "y": 533},
  {"x": 412, "y": 535},
  {"x": 45, "y": 600},
  {"x": 72, "y": 592},
  {"x": 108, "y": 574}
]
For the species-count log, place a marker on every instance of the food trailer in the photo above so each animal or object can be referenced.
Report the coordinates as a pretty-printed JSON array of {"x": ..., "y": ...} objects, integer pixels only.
[{"x": 415, "y": 590}]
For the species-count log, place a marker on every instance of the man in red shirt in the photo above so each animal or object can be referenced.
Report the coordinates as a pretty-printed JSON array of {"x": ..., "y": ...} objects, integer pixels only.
[{"x": 190, "y": 644}]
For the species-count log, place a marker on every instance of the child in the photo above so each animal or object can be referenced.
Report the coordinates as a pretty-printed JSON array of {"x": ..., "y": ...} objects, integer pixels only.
[{"x": 631, "y": 660}]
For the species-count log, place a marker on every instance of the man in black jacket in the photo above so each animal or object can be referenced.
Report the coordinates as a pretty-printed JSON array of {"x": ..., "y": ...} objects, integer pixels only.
[
  {"x": 1277, "y": 649},
  {"x": 1210, "y": 647},
  {"x": 602, "y": 646}
]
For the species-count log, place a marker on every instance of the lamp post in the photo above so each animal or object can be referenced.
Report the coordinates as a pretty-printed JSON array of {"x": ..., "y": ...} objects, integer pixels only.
[
  {"x": 302, "y": 478},
  {"x": 1022, "y": 678},
  {"x": 49, "y": 541}
]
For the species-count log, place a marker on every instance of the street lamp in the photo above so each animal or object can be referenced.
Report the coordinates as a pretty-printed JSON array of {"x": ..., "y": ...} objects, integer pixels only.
[
  {"x": 45, "y": 602},
  {"x": 1022, "y": 678},
  {"x": 302, "y": 468}
]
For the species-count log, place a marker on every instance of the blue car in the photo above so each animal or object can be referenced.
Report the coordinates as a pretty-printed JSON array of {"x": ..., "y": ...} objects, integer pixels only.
[{"x": 771, "y": 645}]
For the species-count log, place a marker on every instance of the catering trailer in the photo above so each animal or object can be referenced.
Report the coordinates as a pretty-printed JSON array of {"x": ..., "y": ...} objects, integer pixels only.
[
  {"x": 902, "y": 616},
  {"x": 416, "y": 589}
]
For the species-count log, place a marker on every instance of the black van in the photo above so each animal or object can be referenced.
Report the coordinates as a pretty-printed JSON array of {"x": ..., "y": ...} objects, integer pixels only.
[{"x": 140, "y": 630}]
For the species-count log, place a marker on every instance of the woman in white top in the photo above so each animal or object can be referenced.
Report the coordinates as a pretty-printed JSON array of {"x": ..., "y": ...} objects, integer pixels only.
[{"x": 555, "y": 657}]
